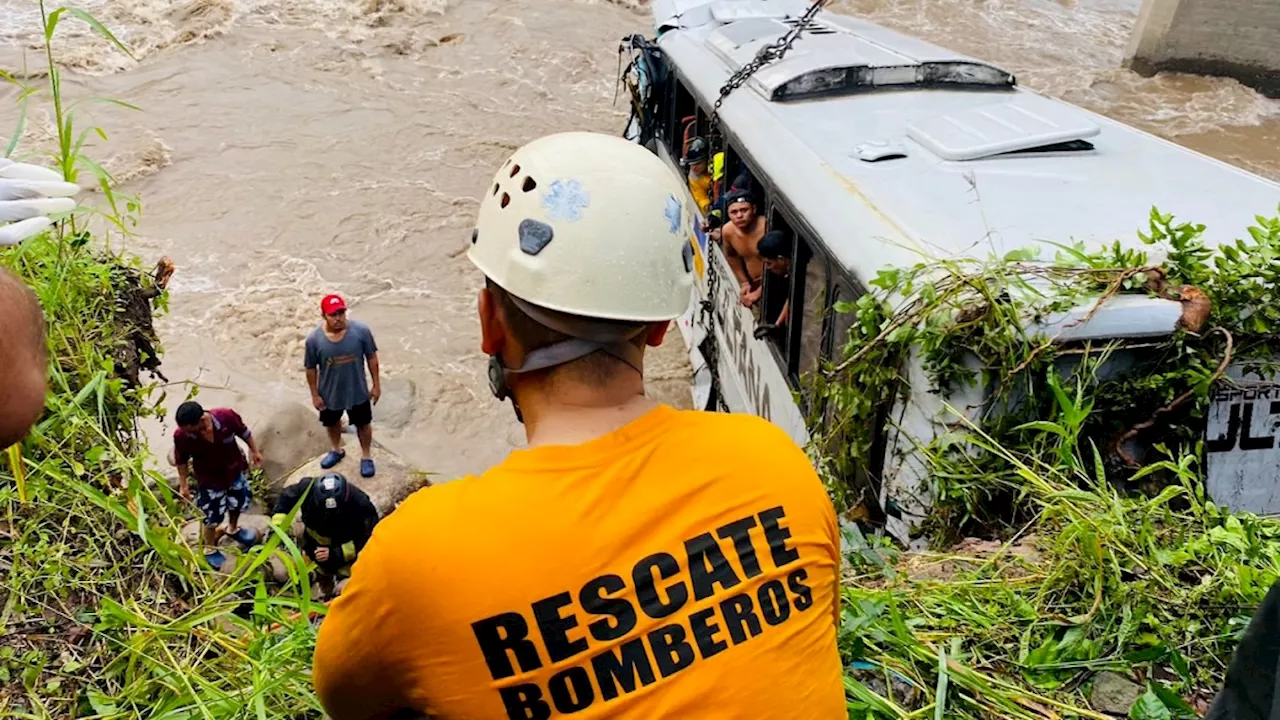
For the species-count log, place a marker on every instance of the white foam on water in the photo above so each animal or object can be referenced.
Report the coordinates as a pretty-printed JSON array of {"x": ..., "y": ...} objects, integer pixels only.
[
  {"x": 20, "y": 19},
  {"x": 1068, "y": 48},
  {"x": 150, "y": 26}
]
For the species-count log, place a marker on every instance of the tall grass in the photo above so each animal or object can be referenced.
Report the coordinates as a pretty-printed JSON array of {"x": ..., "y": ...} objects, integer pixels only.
[
  {"x": 1154, "y": 587},
  {"x": 105, "y": 610},
  {"x": 1093, "y": 560}
]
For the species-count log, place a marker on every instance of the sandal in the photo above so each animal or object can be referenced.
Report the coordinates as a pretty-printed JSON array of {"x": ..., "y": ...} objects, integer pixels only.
[
  {"x": 215, "y": 559},
  {"x": 367, "y": 468},
  {"x": 332, "y": 458}
]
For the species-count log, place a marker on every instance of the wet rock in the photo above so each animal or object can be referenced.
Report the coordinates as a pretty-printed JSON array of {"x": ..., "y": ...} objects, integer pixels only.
[
  {"x": 394, "y": 410},
  {"x": 191, "y": 533},
  {"x": 394, "y": 481},
  {"x": 277, "y": 571},
  {"x": 291, "y": 436},
  {"x": 260, "y": 524},
  {"x": 1114, "y": 694}
]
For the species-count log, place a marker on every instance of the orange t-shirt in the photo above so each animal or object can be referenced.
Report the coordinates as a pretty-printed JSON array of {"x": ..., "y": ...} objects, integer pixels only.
[{"x": 683, "y": 566}]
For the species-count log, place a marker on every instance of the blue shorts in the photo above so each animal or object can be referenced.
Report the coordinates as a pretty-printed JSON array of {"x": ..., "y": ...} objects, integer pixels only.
[{"x": 215, "y": 504}]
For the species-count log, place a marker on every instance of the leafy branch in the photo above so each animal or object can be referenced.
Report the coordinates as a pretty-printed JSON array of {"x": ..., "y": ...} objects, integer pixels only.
[{"x": 1094, "y": 559}]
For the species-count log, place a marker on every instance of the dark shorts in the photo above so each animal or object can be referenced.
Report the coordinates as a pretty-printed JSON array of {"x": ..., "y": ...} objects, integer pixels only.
[
  {"x": 359, "y": 415},
  {"x": 215, "y": 504}
]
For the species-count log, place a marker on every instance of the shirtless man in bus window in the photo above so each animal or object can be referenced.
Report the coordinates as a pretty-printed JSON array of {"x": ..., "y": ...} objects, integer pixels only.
[{"x": 740, "y": 236}]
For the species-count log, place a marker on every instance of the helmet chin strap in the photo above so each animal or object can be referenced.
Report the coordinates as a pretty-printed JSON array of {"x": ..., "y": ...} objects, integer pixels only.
[
  {"x": 586, "y": 335},
  {"x": 558, "y": 354}
]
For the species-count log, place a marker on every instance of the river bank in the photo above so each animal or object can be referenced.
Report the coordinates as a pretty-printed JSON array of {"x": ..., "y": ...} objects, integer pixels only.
[{"x": 103, "y": 609}]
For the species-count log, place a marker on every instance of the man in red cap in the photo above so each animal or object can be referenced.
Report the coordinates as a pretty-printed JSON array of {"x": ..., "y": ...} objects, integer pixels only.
[{"x": 336, "y": 354}]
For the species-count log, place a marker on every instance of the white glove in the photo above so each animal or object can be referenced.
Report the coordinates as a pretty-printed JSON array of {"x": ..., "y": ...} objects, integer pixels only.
[{"x": 28, "y": 195}]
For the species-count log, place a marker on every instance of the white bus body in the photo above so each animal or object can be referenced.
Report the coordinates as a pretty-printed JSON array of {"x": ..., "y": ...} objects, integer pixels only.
[{"x": 879, "y": 150}]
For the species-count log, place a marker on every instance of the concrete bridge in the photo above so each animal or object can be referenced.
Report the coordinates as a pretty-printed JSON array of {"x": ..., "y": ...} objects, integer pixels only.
[{"x": 1235, "y": 38}]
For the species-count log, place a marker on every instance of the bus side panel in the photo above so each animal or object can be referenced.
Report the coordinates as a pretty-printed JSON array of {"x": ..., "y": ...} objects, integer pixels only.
[
  {"x": 907, "y": 487},
  {"x": 747, "y": 373},
  {"x": 748, "y": 364}
]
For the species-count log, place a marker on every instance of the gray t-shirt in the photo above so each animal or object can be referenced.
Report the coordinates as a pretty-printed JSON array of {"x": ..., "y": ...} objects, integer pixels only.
[{"x": 342, "y": 381}]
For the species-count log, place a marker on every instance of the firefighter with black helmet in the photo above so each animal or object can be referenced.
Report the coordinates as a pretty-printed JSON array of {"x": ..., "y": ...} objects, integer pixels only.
[{"x": 338, "y": 519}]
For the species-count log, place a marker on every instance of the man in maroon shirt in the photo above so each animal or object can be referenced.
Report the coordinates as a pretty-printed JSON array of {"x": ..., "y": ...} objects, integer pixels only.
[{"x": 207, "y": 440}]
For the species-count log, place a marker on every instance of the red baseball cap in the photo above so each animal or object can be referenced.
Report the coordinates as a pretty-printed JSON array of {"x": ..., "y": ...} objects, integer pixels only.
[{"x": 332, "y": 304}]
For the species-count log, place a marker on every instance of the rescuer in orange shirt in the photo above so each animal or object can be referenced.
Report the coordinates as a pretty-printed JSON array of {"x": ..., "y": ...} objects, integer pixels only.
[{"x": 634, "y": 561}]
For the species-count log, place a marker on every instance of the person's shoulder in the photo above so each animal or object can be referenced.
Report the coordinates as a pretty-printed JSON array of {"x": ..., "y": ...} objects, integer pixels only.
[
  {"x": 235, "y": 419},
  {"x": 740, "y": 434},
  {"x": 359, "y": 327},
  {"x": 314, "y": 334},
  {"x": 739, "y": 422}
]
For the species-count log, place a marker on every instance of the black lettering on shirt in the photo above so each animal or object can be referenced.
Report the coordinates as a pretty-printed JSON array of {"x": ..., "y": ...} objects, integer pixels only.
[
  {"x": 804, "y": 596},
  {"x": 571, "y": 690},
  {"x": 670, "y": 650},
  {"x": 614, "y": 671},
  {"x": 502, "y": 633},
  {"x": 704, "y": 633},
  {"x": 777, "y": 537},
  {"x": 740, "y": 618},
  {"x": 524, "y": 702},
  {"x": 708, "y": 566},
  {"x": 646, "y": 589},
  {"x": 593, "y": 600},
  {"x": 773, "y": 602},
  {"x": 555, "y": 627},
  {"x": 740, "y": 531}
]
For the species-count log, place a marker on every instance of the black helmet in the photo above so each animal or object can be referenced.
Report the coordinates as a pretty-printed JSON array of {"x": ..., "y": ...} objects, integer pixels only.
[
  {"x": 697, "y": 151},
  {"x": 330, "y": 492}
]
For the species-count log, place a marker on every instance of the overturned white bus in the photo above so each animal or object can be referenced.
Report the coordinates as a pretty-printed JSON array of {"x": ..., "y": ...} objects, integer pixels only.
[{"x": 867, "y": 146}]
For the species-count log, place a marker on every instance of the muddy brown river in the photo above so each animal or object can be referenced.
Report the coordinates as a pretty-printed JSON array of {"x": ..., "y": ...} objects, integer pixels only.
[{"x": 289, "y": 148}]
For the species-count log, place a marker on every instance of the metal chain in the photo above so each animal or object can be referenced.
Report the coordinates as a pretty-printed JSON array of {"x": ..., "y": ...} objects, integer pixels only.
[{"x": 767, "y": 54}]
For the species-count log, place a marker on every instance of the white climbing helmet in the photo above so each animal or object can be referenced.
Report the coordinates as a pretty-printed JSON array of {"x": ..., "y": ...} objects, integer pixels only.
[{"x": 588, "y": 224}]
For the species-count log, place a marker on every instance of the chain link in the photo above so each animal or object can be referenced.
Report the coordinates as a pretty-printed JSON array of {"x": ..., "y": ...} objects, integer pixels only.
[{"x": 767, "y": 54}]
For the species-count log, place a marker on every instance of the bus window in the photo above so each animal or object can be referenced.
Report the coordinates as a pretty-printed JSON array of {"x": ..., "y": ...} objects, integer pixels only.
[
  {"x": 702, "y": 126},
  {"x": 683, "y": 109},
  {"x": 777, "y": 281},
  {"x": 840, "y": 322},
  {"x": 726, "y": 171},
  {"x": 813, "y": 319},
  {"x": 737, "y": 175},
  {"x": 793, "y": 308}
]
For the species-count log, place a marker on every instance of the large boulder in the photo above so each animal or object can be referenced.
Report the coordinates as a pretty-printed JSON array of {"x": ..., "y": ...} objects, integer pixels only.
[
  {"x": 289, "y": 437},
  {"x": 395, "y": 409},
  {"x": 260, "y": 524},
  {"x": 394, "y": 481}
]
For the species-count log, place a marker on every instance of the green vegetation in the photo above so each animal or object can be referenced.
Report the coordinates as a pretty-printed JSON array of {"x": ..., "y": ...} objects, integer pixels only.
[
  {"x": 1091, "y": 559},
  {"x": 1095, "y": 559},
  {"x": 105, "y": 611}
]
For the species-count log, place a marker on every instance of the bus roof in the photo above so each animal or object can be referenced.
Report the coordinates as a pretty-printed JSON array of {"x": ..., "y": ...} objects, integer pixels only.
[{"x": 890, "y": 147}]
